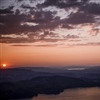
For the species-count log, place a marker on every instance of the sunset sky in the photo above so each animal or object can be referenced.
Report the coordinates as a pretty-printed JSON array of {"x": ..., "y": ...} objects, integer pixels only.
[{"x": 49, "y": 33}]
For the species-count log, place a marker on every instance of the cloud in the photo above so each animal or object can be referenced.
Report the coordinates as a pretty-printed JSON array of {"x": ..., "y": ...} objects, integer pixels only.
[
  {"x": 74, "y": 40},
  {"x": 95, "y": 32},
  {"x": 27, "y": 6},
  {"x": 71, "y": 36},
  {"x": 37, "y": 37},
  {"x": 7, "y": 10},
  {"x": 36, "y": 45},
  {"x": 21, "y": 45},
  {"x": 46, "y": 45},
  {"x": 27, "y": 40},
  {"x": 14, "y": 40},
  {"x": 80, "y": 18},
  {"x": 67, "y": 26},
  {"x": 20, "y": 0},
  {"x": 40, "y": 23},
  {"x": 82, "y": 44},
  {"x": 12, "y": 24},
  {"x": 88, "y": 44},
  {"x": 43, "y": 21},
  {"x": 60, "y": 3},
  {"x": 42, "y": 17},
  {"x": 61, "y": 45},
  {"x": 91, "y": 8}
]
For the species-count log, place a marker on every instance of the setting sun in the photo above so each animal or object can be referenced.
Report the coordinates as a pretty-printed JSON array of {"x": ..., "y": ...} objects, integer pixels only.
[{"x": 4, "y": 65}]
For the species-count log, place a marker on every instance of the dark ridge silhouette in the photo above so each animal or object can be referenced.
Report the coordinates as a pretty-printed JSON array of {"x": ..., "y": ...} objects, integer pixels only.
[
  {"x": 17, "y": 74},
  {"x": 29, "y": 82},
  {"x": 41, "y": 85}
]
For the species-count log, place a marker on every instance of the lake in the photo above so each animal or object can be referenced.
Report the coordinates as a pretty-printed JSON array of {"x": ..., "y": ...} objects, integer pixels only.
[{"x": 72, "y": 94}]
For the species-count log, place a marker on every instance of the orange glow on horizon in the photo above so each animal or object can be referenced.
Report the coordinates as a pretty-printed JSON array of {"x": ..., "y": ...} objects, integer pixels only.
[
  {"x": 14, "y": 56},
  {"x": 5, "y": 65}
]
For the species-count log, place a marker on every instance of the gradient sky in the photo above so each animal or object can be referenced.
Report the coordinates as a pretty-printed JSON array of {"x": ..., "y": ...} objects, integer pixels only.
[{"x": 50, "y": 32}]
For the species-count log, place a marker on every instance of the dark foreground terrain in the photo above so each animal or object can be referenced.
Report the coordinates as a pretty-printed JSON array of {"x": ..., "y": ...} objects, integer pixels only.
[{"x": 23, "y": 83}]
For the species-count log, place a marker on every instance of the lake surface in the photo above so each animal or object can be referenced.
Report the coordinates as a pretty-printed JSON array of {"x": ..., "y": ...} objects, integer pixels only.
[{"x": 72, "y": 94}]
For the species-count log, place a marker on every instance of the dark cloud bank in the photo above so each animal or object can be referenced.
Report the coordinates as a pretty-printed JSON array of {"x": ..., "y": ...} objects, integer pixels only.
[{"x": 14, "y": 21}]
